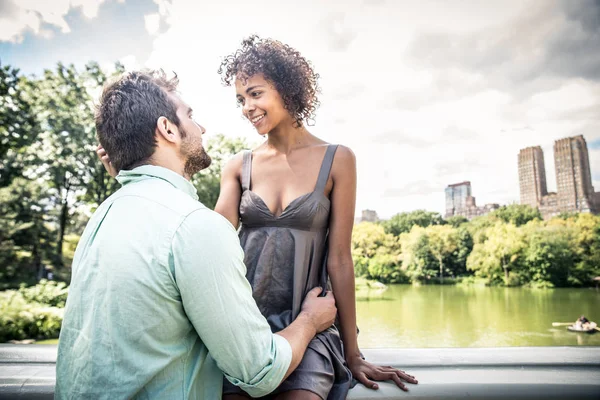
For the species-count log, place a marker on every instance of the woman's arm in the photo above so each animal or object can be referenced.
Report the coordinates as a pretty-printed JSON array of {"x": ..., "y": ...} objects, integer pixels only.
[
  {"x": 103, "y": 156},
  {"x": 228, "y": 204},
  {"x": 341, "y": 271},
  {"x": 339, "y": 262}
]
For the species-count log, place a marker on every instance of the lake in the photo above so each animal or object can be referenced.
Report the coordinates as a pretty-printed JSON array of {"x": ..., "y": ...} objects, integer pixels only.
[{"x": 456, "y": 316}]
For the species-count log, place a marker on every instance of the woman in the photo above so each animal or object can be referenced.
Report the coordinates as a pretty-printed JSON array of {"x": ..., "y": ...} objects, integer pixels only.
[{"x": 295, "y": 196}]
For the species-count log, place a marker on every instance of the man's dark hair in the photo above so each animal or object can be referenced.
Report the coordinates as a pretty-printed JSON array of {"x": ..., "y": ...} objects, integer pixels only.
[
  {"x": 291, "y": 74},
  {"x": 127, "y": 113}
]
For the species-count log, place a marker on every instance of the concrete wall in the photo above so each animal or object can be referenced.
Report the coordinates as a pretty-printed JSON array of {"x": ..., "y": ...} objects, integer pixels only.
[{"x": 28, "y": 372}]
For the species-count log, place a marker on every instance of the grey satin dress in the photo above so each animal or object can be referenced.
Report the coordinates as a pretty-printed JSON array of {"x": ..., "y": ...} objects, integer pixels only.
[{"x": 285, "y": 258}]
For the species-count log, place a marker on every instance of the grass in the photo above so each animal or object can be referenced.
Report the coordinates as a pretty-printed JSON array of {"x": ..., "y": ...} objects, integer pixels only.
[{"x": 47, "y": 341}]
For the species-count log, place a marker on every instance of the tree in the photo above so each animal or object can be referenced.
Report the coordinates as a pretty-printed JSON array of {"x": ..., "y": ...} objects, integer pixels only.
[
  {"x": 18, "y": 125},
  {"x": 456, "y": 220},
  {"x": 457, "y": 262},
  {"x": 584, "y": 229},
  {"x": 404, "y": 222},
  {"x": 417, "y": 261},
  {"x": 25, "y": 234},
  {"x": 548, "y": 254},
  {"x": 498, "y": 254},
  {"x": 376, "y": 253},
  {"x": 478, "y": 227},
  {"x": 517, "y": 214},
  {"x": 67, "y": 143},
  {"x": 99, "y": 185},
  {"x": 443, "y": 242},
  {"x": 207, "y": 182}
]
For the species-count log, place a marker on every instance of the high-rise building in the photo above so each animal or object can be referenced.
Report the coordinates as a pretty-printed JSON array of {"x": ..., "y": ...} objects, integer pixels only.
[
  {"x": 456, "y": 197},
  {"x": 369, "y": 216},
  {"x": 574, "y": 190},
  {"x": 532, "y": 176},
  {"x": 573, "y": 177},
  {"x": 459, "y": 201}
]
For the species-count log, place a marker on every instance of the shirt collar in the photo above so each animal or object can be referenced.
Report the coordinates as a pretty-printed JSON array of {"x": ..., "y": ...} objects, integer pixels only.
[{"x": 152, "y": 171}]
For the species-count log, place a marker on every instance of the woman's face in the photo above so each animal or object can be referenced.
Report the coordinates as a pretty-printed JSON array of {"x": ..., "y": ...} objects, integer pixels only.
[{"x": 261, "y": 103}]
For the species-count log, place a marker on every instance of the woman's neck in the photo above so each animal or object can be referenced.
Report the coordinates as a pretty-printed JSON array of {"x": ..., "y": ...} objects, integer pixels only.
[{"x": 286, "y": 138}]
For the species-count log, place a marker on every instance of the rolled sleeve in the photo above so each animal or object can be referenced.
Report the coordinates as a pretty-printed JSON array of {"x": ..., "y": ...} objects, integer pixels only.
[{"x": 210, "y": 274}]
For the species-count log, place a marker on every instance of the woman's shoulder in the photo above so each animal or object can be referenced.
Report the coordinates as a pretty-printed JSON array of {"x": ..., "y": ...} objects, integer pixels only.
[
  {"x": 234, "y": 164},
  {"x": 344, "y": 156}
]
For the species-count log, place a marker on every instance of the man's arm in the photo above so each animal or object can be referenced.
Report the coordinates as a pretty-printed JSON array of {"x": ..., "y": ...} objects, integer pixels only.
[
  {"x": 217, "y": 298},
  {"x": 318, "y": 314}
]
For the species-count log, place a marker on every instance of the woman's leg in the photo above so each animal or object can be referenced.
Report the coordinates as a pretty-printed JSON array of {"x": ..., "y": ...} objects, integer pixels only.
[{"x": 298, "y": 395}]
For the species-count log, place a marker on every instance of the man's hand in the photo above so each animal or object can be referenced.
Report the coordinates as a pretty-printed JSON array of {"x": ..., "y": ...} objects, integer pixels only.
[
  {"x": 103, "y": 156},
  {"x": 321, "y": 311}
]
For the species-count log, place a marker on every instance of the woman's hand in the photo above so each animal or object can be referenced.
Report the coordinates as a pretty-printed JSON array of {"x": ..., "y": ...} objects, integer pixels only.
[
  {"x": 106, "y": 161},
  {"x": 365, "y": 373}
]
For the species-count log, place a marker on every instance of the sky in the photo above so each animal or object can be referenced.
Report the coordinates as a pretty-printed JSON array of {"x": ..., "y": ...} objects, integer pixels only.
[{"x": 425, "y": 93}]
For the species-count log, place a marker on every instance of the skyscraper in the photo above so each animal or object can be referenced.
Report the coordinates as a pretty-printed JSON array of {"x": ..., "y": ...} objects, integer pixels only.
[
  {"x": 573, "y": 177},
  {"x": 574, "y": 190},
  {"x": 532, "y": 176},
  {"x": 456, "y": 197},
  {"x": 459, "y": 201}
]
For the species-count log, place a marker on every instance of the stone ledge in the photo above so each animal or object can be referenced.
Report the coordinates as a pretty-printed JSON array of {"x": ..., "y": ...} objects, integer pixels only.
[{"x": 28, "y": 372}]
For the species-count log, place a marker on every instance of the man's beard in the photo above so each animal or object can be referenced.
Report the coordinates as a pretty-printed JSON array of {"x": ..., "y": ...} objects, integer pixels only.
[
  {"x": 197, "y": 158},
  {"x": 196, "y": 162}
]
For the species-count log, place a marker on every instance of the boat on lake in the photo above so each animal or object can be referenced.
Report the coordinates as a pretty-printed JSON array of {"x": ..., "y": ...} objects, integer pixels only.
[{"x": 590, "y": 327}]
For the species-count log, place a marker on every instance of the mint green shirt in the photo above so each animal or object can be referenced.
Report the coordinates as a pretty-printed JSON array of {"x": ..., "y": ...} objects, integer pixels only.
[{"x": 159, "y": 306}]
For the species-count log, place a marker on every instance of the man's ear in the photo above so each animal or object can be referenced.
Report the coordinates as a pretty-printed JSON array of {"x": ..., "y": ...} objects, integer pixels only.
[{"x": 167, "y": 130}]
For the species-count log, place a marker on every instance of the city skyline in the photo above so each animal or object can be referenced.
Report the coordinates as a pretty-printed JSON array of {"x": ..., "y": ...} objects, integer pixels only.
[{"x": 424, "y": 93}]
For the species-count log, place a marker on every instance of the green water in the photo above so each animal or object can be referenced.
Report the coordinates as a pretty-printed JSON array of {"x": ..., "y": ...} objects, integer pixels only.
[{"x": 453, "y": 316}]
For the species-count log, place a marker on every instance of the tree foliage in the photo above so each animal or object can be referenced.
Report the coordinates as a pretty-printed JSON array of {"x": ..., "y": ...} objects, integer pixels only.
[
  {"x": 517, "y": 214},
  {"x": 207, "y": 182},
  {"x": 512, "y": 247},
  {"x": 404, "y": 222}
]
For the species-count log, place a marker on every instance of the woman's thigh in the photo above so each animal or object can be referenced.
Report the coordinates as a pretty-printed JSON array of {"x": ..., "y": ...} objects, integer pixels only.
[{"x": 298, "y": 395}]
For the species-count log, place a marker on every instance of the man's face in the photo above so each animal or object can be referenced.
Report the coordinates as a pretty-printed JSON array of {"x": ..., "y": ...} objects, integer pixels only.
[{"x": 196, "y": 158}]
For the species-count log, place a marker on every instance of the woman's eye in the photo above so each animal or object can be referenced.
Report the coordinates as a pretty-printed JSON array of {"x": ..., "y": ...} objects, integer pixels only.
[{"x": 255, "y": 94}]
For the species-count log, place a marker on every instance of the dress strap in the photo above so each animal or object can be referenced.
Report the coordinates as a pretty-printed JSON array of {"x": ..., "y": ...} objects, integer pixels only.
[
  {"x": 326, "y": 167},
  {"x": 246, "y": 170}
]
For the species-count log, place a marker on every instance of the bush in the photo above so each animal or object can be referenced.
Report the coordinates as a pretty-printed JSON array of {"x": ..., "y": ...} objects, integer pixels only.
[
  {"x": 46, "y": 292},
  {"x": 20, "y": 319}
]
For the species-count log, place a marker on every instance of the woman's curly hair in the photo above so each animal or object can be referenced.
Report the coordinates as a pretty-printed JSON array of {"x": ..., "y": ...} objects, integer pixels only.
[{"x": 291, "y": 74}]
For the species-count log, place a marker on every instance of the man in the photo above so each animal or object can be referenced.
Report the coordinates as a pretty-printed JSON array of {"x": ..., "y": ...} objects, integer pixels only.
[{"x": 159, "y": 306}]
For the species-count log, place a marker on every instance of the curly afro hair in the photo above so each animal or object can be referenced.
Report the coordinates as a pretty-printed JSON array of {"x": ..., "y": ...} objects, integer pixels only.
[{"x": 291, "y": 74}]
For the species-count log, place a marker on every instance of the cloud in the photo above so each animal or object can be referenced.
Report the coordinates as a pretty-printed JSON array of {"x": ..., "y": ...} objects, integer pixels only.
[
  {"x": 552, "y": 41},
  {"x": 423, "y": 102},
  {"x": 401, "y": 138},
  {"x": 349, "y": 91},
  {"x": 420, "y": 188},
  {"x": 30, "y": 15},
  {"x": 338, "y": 30},
  {"x": 454, "y": 133},
  {"x": 152, "y": 22},
  {"x": 129, "y": 62},
  {"x": 426, "y": 93}
]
